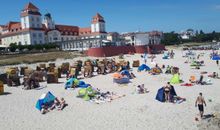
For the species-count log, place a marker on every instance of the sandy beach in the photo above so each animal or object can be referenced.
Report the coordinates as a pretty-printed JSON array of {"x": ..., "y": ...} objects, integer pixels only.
[{"x": 132, "y": 112}]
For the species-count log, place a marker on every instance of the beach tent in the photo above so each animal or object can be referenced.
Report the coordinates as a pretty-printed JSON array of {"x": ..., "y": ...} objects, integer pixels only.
[
  {"x": 216, "y": 57},
  {"x": 73, "y": 81},
  {"x": 175, "y": 79},
  {"x": 46, "y": 98},
  {"x": 161, "y": 96},
  {"x": 143, "y": 67},
  {"x": 82, "y": 84},
  {"x": 86, "y": 93},
  {"x": 70, "y": 82},
  {"x": 126, "y": 72}
]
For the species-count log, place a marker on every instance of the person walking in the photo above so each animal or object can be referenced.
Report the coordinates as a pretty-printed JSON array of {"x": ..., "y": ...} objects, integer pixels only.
[{"x": 200, "y": 102}]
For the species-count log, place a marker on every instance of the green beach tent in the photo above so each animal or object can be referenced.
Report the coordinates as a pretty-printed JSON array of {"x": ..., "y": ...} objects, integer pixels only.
[{"x": 175, "y": 79}]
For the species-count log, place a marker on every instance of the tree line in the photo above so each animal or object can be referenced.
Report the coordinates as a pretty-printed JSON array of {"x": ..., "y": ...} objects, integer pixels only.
[
  {"x": 173, "y": 38},
  {"x": 14, "y": 47}
]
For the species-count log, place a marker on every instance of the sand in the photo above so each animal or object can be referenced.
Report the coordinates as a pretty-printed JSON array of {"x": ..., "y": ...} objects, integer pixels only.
[{"x": 131, "y": 112}]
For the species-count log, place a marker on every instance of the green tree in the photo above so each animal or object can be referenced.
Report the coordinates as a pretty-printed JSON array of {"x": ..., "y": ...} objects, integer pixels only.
[{"x": 171, "y": 38}]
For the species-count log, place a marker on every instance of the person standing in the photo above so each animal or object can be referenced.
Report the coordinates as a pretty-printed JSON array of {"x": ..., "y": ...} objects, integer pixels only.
[
  {"x": 200, "y": 102},
  {"x": 145, "y": 58},
  {"x": 217, "y": 62}
]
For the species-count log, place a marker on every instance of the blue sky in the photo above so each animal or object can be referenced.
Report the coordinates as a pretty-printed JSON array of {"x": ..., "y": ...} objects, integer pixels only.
[{"x": 125, "y": 15}]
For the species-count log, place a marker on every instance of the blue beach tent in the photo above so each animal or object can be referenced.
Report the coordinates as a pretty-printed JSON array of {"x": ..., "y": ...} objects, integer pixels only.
[
  {"x": 215, "y": 57},
  {"x": 46, "y": 98},
  {"x": 143, "y": 67},
  {"x": 161, "y": 96}
]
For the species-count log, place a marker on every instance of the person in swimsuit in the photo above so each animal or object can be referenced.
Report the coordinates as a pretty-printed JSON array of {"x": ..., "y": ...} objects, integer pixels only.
[
  {"x": 200, "y": 102},
  {"x": 167, "y": 93}
]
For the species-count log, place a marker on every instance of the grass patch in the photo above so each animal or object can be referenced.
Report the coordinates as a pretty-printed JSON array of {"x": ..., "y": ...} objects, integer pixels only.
[{"x": 35, "y": 58}]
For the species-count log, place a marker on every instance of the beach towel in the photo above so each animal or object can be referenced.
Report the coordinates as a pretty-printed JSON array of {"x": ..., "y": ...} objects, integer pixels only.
[
  {"x": 123, "y": 80},
  {"x": 187, "y": 84}
]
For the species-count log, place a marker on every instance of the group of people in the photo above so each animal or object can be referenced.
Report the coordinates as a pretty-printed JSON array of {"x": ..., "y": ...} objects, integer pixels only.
[{"x": 56, "y": 104}]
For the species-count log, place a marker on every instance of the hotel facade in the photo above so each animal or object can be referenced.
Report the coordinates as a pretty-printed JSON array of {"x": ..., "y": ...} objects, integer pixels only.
[{"x": 34, "y": 29}]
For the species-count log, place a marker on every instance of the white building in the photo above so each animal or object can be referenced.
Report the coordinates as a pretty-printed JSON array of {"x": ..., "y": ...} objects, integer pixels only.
[
  {"x": 32, "y": 29},
  {"x": 187, "y": 34},
  {"x": 143, "y": 38}
]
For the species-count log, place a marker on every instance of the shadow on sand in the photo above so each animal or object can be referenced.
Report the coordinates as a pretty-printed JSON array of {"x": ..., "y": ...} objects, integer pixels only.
[{"x": 5, "y": 93}]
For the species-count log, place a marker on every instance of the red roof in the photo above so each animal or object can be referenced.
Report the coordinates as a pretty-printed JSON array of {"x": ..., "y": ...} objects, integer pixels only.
[
  {"x": 13, "y": 25},
  {"x": 30, "y": 6},
  {"x": 84, "y": 31},
  {"x": 97, "y": 18},
  {"x": 67, "y": 30}
]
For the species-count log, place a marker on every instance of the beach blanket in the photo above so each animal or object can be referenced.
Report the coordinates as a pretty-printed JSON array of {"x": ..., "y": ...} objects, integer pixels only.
[{"x": 187, "y": 85}]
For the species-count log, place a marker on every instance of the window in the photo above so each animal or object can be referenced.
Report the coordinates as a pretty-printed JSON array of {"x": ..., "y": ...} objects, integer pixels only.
[
  {"x": 32, "y": 18},
  {"x": 40, "y": 35},
  {"x": 40, "y": 42},
  {"x": 35, "y": 42},
  {"x": 38, "y": 19},
  {"x": 38, "y": 25},
  {"x": 34, "y": 35},
  {"x": 33, "y": 25}
]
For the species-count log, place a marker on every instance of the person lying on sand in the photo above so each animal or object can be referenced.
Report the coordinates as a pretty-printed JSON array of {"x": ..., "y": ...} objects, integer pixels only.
[
  {"x": 214, "y": 75},
  {"x": 116, "y": 96},
  {"x": 62, "y": 104},
  {"x": 200, "y": 80},
  {"x": 56, "y": 104},
  {"x": 106, "y": 97}
]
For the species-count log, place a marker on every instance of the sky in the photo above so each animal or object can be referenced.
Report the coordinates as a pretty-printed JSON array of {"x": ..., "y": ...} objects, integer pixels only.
[{"x": 125, "y": 15}]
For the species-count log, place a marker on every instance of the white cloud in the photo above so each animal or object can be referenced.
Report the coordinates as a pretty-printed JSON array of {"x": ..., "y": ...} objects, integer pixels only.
[{"x": 217, "y": 7}]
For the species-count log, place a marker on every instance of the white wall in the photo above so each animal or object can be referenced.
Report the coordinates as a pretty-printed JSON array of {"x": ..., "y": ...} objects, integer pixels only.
[
  {"x": 31, "y": 21},
  {"x": 12, "y": 39},
  {"x": 92, "y": 27},
  {"x": 141, "y": 39},
  {"x": 53, "y": 36},
  {"x": 37, "y": 37}
]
